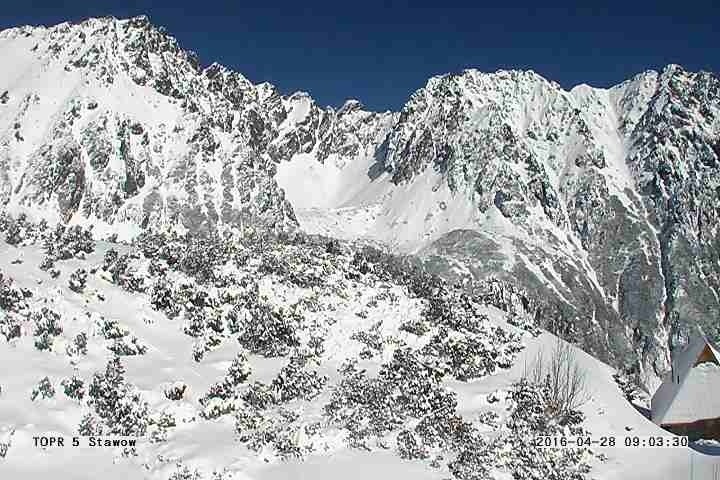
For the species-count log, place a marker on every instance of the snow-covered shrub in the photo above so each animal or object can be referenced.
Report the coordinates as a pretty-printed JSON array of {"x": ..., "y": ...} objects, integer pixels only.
[
  {"x": 127, "y": 346},
  {"x": 47, "y": 327},
  {"x": 295, "y": 381},
  {"x": 239, "y": 370},
  {"x": 236, "y": 318},
  {"x": 74, "y": 387},
  {"x": 78, "y": 280},
  {"x": 194, "y": 321},
  {"x": 371, "y": 339},
  {"x": 296, "y": 266},
  {"x": 474, "y": 461},
  {"x": 214, "y": 320},
  {"x": 175, "y": 391},
  {"x": 12, "y": 299},
  {"x": 404, "y": 389},
  {"x": 416, "y": 326},
  {"x": 285, "y": 441},
  {"x": 315, "y": 347},
  {"x": 44, "y": 389},
  {"x": 443, "y": 429},
  {"x": 90, "y": 424},
  {"x": 20, "y": 230},
  {"x": 628, "y": 386},
  {"x": 160, "y": 425},
  {"x": 6, "y": 441},
  {"x": 47, "y": 263},
  {"x": 117, "y": 403},
  {"x": 184, "y": 473},
  {"x": 333, "y": 247},
  {"x": 172, "y": 250},
  {"x": 279, "y": 430},
  {"x": 259, "y": 395},
  {"x": 123, "y": 343},
  {"x": 162, "y": 298},
  {"x": 5, "y": 220},
  {"x": 15, "y": 231},
  {"x": 476, "y": 456},
  {"x": 13, "y": 306},
  {"x": 532, "y": 414},
  {"x": 109, "y": 259},
  {"x": 364, "y": 259},
  {"x": 111, "y": 329},
  {"x": 203, "y": 253},
  {"x": 157, "y": 268},
  {"x": 471, "y": 355},
  {"x": 64, "y": 242},
  {"x": 9, "y": 325},
  {"x": 121, "y": 272},
  {"x": 357, "y": 405},
  {"x": 80, "y": 343},
  {"x": 419, "y": 384},
  {"x": 220, "y": 400},
  {"x": 195, "y": 254},
  {"x": 199, "y": 351},
  {"x": 221, "y": 397},
  {"x": 563, "y": 378},
  {"x": 409, "y": 448},
  {"x": 150, "y": 243},
  {"x": 269, "y": 331},
  {"x": 489, "y": 418}
]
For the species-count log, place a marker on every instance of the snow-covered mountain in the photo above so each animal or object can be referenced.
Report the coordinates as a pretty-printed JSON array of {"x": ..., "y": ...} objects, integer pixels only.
[
  {"x": 602, "y": 203},
  {"x": 109, "y": 122}
]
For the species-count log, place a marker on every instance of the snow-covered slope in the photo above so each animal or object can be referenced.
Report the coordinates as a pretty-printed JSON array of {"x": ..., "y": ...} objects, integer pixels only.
[{"x": 282, "y": 359}]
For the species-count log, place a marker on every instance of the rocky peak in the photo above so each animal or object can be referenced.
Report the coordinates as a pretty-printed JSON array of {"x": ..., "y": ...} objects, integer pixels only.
[
  {"x": 438, "y": 117},
  {"x": 350, "y": 106}
]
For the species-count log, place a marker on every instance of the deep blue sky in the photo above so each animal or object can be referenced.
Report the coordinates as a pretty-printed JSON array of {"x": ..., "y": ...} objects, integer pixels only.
[{"x": 380, "y": 52}]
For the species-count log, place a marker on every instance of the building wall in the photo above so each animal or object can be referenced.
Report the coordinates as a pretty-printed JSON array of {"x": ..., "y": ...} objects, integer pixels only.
[{"x": 708, "y": 429}]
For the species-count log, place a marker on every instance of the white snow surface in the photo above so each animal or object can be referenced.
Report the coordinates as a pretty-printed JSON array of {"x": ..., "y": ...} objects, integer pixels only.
[
  {"x": 210, "y": 445},
  {"x": 689, "y": 392}
]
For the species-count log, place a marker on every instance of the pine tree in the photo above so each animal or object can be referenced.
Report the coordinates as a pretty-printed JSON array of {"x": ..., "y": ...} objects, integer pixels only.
[
  {"x": 44, "y": 389},
  {"x": 78, "y": 280}
]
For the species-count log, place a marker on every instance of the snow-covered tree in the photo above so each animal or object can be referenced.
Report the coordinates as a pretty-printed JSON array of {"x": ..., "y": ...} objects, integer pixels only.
[
  {"x": 184, "y": 473},
  {"x": 116, "y": 402},
  {"x": 269, "y": 331},
  {"x": 12, "y": 299},
  {"x": 74, "y": 387},
  {"x": 295, "y": 381},
  {"x": 78, "y": 280},
  {"x": 44, "y": 389},
  {"x": 162, "y": 298},
  {"x": 80, "y": 343},
  {"x": 47, "y": 327}
]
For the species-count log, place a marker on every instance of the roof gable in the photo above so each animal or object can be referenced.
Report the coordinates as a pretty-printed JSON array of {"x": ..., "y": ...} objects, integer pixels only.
[
  {"x": 694, "y": 376},
  {"x": 707, "y": 355},
  {"x": 697, "y": 398}
]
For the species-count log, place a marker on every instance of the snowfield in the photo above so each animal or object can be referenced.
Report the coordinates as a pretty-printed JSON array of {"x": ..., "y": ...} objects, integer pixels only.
[{"x": 210, "y": 447}]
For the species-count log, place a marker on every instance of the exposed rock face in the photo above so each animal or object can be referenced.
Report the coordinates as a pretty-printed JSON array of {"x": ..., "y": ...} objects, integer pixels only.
[
  {"x": 110, "y": 122},
  {"x": 603, "y": 203},
  {"x": 611, "y": 197}
]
